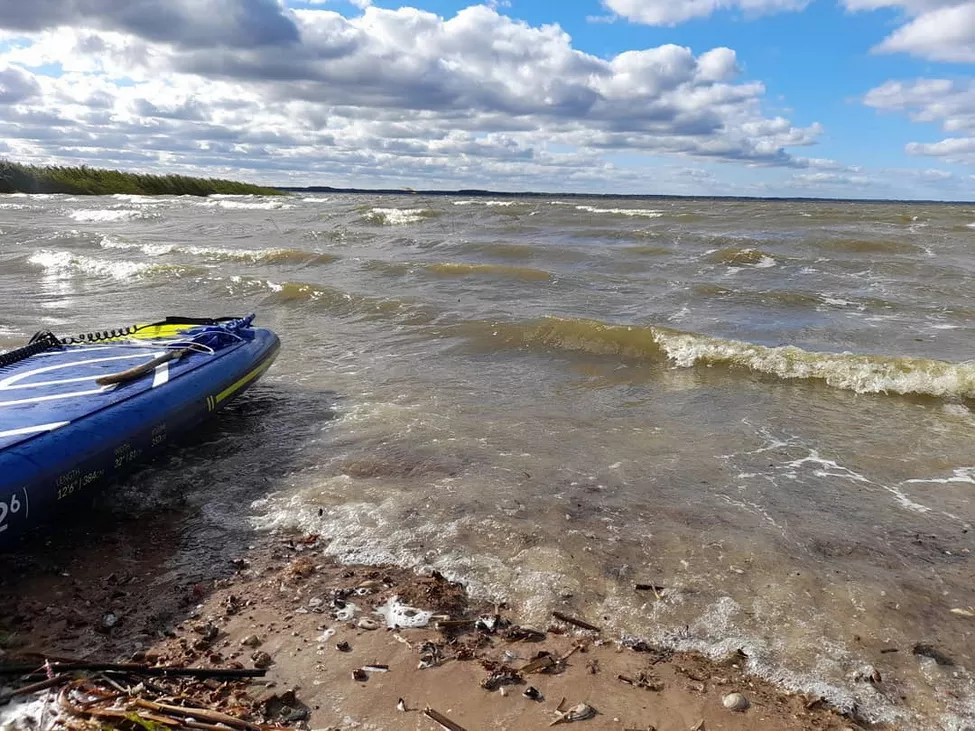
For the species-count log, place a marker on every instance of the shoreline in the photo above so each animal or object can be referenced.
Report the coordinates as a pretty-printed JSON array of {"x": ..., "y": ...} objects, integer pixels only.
[{"x": 279, "y": 605}]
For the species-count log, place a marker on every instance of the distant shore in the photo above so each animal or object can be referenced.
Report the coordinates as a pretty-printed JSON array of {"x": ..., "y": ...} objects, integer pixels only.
[
  {"x": 84, "y": 180},
  {"x": 482, "y": 193}
]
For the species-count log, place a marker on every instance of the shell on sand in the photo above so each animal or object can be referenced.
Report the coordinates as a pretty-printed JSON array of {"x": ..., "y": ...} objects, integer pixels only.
[{"x": 735, "y": 702}]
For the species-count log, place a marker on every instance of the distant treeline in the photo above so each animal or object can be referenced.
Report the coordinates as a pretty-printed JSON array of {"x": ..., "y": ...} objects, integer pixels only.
[{"x": 18, "y": 178}]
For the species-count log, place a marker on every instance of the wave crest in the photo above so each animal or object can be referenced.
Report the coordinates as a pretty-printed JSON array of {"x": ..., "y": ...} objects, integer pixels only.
[{"x": 847, "y": 371}]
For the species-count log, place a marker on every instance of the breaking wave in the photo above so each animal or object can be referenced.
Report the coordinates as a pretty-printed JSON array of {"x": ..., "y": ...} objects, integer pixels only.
[
  {"x": 249, "y": 203},
  {"x": 63, "y": 263},
  {"x": 398, "y": 216},
  {"x": 490, "y": 204},
  {"x": 734, "y": 256},
  {"x": 110, "y": 216},
  {"x": 852, "y": 372},
  {"x": 264, "y": 256},
  {"x": 635, "y": 212}
]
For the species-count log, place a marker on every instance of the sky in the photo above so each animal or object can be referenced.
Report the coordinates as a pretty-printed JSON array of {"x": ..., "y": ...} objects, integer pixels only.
[{"x": 824, "y": 98}]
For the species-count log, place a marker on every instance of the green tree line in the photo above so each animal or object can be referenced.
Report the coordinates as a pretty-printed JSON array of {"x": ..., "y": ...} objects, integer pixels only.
[{"x": 84, "y": 180}]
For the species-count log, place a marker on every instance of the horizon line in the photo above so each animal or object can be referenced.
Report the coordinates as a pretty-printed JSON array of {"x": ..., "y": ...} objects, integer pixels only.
[{"x": 480, "y": 192}]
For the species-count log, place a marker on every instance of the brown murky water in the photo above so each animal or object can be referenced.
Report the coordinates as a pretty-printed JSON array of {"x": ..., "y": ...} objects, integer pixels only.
[{"x": 764, "y": 407}]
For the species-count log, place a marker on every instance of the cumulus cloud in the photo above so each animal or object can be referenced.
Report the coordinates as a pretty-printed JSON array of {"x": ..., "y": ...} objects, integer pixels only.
[
  {"x": 16, "y": 85},
  {"x": 193, "y": 23},
  {"x": 473, "y": 97},
  {"x": 671, "y": 12},
  {"x": 938, "y": 30},
  {"x": 948, "y": 103}
]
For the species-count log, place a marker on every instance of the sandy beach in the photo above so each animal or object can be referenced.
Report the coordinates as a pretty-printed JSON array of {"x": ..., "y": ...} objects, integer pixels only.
[{"x": 332, "y": 661}]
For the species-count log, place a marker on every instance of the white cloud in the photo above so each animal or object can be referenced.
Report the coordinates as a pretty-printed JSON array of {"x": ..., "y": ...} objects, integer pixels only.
[
  {"x": 671, "y": 12},
  {"x": 939, "y": 30},
  {"x": 948, "y": 103},
  {"x": 477, "y": 97}
]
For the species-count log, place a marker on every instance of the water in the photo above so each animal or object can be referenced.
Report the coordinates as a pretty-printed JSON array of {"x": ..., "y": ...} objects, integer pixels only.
[{"x": 764, "y": 407}]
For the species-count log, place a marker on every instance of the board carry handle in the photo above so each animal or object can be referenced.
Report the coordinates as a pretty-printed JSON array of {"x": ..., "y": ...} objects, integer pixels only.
[{"x": 140, "y": 370}]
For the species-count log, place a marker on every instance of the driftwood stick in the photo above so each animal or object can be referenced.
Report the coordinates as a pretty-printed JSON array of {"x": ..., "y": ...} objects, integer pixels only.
[
  {"x": 577, "y": 622},
  {"x": 33, "y": 688},
  {"x": 137, "y": 669},
  {"x": 443, "y": 720},
  {"x": 201, "y": 714}
]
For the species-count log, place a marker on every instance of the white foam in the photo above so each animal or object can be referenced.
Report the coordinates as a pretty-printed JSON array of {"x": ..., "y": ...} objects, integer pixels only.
[
  {"x": 638, "y": 212},
  {"x": 107, "y": 216},
  {"x": 765, "y": 262},
  {"x": 859, "y": 373},
  {"x": 39, "y": 713},
  {"x": 962, "y": 474},
  {"x": 397, "y": 216},
  {"x": 503, "y": 204},
  {"x": 107, "y": 242},
  {"x": 246, "y": 205},
  {"x": 63, "y": 263},
  {"x": 398, "y": 614}
]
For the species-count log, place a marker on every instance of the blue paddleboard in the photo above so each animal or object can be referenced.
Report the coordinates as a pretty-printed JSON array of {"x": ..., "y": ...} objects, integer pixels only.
[{"x": 76, "y": 413}]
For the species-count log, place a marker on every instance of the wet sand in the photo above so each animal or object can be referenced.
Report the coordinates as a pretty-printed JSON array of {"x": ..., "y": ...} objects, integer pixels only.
[{"x": 114, "y": 599}]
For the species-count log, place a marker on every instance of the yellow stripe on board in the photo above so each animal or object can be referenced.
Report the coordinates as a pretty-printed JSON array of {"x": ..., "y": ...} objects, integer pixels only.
[{"x": 234, "y": 388}]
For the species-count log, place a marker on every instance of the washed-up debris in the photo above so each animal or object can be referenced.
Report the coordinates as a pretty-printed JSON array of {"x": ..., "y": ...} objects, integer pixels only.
[
  {"x": 87, "y": 693},
  {"x": 869, "y": 673},
  {"x": 523, "y": 634},
  {"x": 376, "y": 668},
  {"x": 367, "y": 623},
  {"x": 735, "y": 702},
  {"x": 579, "y": 712},
  {"x": 284, "y": 707},
  {"x": 343, "y": 646},
  {"x": 360, "y": 675},
  {"x": 543, "y": 661},
  {"x": 429, "y": 655},
  {"x": 401, "y": 706},
  {"x": 345, "y": 611},
  {"x": 655, "y": 588},
  {"x": 399, "y": 615},
  {"x": 490, "y": 623},
  {"x": 500, "y": 675},
  {"x": 41, "y": 671},
  {"x": 643, "y": 680},
  {"x": 934, "y": 653},
  {"x": 576, "y": 622},
  {"x": 532, "y": 693},
  {"x": 964, "y": 612},
  {"x": 443, "y": 720}
]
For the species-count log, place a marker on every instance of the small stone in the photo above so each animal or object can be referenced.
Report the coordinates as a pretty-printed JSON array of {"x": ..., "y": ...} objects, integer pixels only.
[
  {"x": 251, "y": 641},
  {"x": 735, "y": 702},
  {"x": 261, "y": 659},
  {"x": 367, "y": 623}
]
